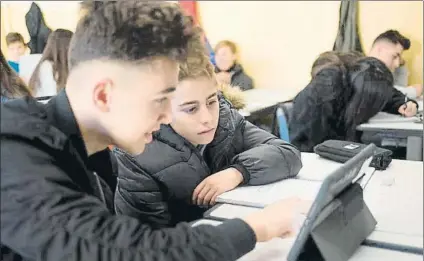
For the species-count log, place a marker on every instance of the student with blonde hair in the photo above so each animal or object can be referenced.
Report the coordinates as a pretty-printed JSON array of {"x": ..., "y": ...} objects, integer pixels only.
[
  {"x": 227, "y": 69},
  {"x": 208, "y": 149}
]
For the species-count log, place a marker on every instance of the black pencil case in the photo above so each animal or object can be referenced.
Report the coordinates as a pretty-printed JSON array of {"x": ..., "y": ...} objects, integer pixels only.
[{"x": 342, "y": 151}]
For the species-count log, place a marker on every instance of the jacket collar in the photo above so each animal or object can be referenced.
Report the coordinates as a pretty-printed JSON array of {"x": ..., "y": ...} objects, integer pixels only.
[{"x": 64, "y": 120}]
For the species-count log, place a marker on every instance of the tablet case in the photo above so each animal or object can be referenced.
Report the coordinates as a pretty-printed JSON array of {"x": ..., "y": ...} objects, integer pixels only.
[
  {"x": 342, "y": 151},
  {"x": 340, "y": 228}
]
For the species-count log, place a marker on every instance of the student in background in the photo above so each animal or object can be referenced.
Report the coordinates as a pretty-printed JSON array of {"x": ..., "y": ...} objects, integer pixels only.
[
  {"x": 11, "y": 85},
  {"x": 51, "y": 73},
  {"x": 15, "y": 49},
  {"x": 227, "y": 69},
  {"x": 338, "y": 99},
  {"x": 57, "y": 173},
  {"x": 388, "y": 48},
  {"x": 401, "y": 75},
  {"x": 208, "y": 149}
]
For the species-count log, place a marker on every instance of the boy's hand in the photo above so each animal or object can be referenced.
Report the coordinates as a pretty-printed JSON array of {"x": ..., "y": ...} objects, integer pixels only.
[
  {"x": 409, "y": 109},
  {"x": 277, "y": 219},
  {"x": 214, "y": 185}
]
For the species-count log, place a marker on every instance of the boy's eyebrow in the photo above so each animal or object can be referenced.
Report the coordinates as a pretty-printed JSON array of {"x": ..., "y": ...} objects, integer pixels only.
[
  {"x": 189, "y": 103},
  {"x": 211, "y": 96},
  {"x": 196, "y": 102},
  {"x": 168, "y": 90}
]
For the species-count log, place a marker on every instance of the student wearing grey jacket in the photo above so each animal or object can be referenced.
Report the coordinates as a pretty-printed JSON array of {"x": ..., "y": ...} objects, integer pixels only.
[{"x": 208, "y": 149}]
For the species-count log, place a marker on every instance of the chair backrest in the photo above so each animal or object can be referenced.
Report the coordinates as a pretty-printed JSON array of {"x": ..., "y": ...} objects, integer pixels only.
[
  {"x": 288, "y": 111},
  {"x": 284, "y": 113},
  {"x": 283, "y": 128}
]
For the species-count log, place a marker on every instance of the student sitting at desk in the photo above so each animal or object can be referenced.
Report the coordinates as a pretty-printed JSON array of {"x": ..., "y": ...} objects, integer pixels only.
[
  {"x": 51, "y": 73},
  {"x": 228, "y": 70},
  {"x": 388, "y": 48},
  {"x": 340, "y": 96},
  {"x": 16, "y": 48},
  {"x": 208, "y": 149}
]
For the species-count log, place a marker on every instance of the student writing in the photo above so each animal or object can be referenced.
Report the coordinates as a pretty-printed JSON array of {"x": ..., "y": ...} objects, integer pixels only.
[{"x": 341, "y": 95}]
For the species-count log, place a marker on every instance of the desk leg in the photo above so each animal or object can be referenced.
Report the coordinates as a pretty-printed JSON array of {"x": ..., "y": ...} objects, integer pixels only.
[{"x": 414, "y": 149}]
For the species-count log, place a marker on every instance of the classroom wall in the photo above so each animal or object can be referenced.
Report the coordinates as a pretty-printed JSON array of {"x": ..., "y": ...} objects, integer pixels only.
[
  {"x": 57, "y": 14},
  {"x": 278, "y": 41},
  {"x": 405, "y": 16}
]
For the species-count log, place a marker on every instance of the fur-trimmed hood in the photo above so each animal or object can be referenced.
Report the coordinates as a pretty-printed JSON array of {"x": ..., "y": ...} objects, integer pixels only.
[{"x": 234, "y": 95}]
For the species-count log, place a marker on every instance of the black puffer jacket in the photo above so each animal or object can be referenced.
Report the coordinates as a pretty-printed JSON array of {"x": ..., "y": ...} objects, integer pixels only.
[
  {"x": 319, "y": 109},
  {"x": 157, "y": 186},
  {"x": 239, "y": 77}
]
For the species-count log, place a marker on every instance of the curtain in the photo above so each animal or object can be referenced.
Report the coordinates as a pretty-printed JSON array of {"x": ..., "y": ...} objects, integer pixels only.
[{"x": 347, "y": 39}]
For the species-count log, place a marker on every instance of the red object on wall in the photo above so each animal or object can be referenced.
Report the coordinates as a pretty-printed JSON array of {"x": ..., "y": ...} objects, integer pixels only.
[{"x": 191, "y": 8}]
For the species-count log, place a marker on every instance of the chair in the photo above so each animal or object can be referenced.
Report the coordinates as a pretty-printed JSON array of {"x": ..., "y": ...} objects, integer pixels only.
[{"x": 283, "y": 114}]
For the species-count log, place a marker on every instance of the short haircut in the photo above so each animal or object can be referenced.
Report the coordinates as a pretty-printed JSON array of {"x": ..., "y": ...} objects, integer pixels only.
[
  {"x": 197, "y": 64},
  {"x": 226, "y": 43},
  {"x": 394, "y": 37},
  {"x": 14, "y": 37},
  {"x": 130, "y": 31}
]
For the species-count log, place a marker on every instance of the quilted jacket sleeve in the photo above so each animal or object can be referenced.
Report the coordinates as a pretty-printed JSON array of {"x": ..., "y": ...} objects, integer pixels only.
[
  {"x": 265, "y": 158},
  {"x": 138, "y": 194}
]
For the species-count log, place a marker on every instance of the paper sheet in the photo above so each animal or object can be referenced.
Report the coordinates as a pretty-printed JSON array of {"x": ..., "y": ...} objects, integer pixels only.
[{"x": 260, "y": 196}]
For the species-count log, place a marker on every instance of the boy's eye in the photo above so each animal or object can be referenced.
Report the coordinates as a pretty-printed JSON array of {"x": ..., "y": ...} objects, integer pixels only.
[
  {"x": 190, "y": 110},
  {"x": 161, "y": 100},
  {"x": 211, "y": 102}
]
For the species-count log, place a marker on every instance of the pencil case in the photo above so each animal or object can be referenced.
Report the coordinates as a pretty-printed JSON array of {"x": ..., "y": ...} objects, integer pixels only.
[{"x": 341, "y": 151}]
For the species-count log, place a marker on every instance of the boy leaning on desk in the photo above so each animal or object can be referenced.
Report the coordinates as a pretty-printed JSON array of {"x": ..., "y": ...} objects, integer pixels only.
[
  {"x": 388, "y": 47},
  {"x": 56, "y": 168}
]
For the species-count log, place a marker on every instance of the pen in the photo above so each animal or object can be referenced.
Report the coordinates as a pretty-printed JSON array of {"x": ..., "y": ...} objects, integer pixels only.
[{"x": 405, "y": 104}]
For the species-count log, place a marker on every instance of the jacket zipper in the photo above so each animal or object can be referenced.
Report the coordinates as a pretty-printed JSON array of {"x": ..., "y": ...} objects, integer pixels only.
[{"x": 202, "y": 160}]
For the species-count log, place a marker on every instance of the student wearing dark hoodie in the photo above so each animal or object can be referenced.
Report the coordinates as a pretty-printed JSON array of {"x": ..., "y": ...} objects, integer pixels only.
[
  {"x": 346, "y": 90},
  {"x": 57, "y": 177},
  {"x": 227, "y": 69},
  {"x": 208, "y": 149}
]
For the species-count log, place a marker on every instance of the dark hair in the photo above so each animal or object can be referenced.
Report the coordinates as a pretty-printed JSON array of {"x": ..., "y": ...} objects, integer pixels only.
[
  {"x": 130, "y": 31},
  {"x": 344, "y": 60},
  {"x": 226, "y": 43},
  {"x": 14, "y": 37},
  {"x": 56, "y": 52},
  {"x": 371, "y": 83},
  {"x": 394, "y": 37},
  {"x": 11, "y": 85}
]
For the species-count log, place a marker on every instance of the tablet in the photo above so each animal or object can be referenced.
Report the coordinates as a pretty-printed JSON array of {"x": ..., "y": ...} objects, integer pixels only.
[{"x": 331, "y": 187}]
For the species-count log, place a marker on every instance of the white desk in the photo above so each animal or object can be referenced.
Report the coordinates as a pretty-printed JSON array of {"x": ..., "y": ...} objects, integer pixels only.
[
  {"x": 398, "y": 127},
  {"x": 315, "y": 167},
  {"x": 395, "y": 197},
  {"x": 278, "y": 249},
  {"x": 306, "y": 184},
  {"x": 259, "y": 99}
]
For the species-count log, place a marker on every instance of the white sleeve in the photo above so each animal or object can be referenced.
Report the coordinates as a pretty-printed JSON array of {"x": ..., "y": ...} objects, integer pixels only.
[{"x": 47, "y": 82}]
